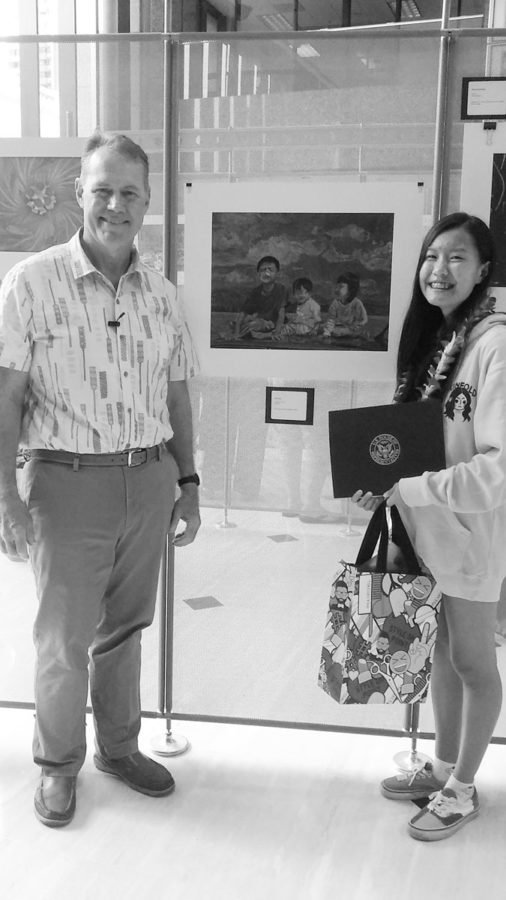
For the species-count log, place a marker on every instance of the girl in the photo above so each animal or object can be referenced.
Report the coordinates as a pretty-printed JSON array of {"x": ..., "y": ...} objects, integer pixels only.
[
  {"x": 346, "y": 314},
  {"x": 453, "y": 348}
]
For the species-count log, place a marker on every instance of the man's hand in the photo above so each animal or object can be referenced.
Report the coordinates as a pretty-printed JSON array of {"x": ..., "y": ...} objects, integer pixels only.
[
  {"x": 186, "y": 509},
  {"x": 16, "y": 527}
]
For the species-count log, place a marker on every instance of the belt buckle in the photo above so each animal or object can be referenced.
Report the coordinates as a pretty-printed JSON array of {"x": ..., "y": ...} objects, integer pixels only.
[{"x": 131, "y": 453}]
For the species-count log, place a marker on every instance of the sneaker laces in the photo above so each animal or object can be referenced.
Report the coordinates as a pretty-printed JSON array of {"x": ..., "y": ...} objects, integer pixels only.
[
  {"x": 442, "y": 803},
  {"x": 419, "y": 770},
  {"x": 446, "y": 803}
]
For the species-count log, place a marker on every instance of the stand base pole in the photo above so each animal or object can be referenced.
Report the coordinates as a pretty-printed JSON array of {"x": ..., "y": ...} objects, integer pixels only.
[
  {"x": 169, "y": 744},
  {"x": 226, "y": 524},
  {"x": 411, "y": 760},
  {"x": 348, "y": 530}
]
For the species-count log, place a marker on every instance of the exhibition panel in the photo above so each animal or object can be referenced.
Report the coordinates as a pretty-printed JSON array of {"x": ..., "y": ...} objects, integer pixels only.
[{"x": 331, "y": 153}]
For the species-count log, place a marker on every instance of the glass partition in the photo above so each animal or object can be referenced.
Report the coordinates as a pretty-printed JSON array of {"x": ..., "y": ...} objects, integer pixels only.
[
  {"x": 251, "y": 593},
  {"x": 361, "y": 108}
]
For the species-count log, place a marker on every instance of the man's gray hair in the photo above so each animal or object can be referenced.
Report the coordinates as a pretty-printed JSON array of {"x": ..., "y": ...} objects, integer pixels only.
[{"x": 121, "y": 144}]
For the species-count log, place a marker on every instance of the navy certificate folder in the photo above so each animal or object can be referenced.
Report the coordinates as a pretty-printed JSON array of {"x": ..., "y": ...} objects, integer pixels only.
[{"x": 372, "y": 447}]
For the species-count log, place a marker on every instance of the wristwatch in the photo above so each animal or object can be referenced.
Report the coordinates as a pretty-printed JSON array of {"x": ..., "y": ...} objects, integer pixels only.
[{"x": 189, "y": 479}]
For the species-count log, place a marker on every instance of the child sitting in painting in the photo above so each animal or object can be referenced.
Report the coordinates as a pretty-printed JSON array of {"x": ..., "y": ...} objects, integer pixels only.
[
  {"x": 346, "y": 314},
  {"x": 304, "y": 321}
]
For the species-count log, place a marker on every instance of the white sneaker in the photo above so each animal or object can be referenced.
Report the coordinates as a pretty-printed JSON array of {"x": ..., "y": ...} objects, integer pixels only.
[
  {"x": 444, "y": 815},
  {"x": 414, "y": 785}
]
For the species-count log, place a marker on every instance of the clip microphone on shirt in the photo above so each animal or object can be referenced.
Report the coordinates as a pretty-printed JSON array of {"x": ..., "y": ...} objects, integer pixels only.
[{"x": 115, "y": 323}]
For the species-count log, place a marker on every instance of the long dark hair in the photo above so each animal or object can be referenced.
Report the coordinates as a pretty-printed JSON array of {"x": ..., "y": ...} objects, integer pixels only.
[
  {"x": 424, "y": 325},
  {"x": 353, "y": 282}
]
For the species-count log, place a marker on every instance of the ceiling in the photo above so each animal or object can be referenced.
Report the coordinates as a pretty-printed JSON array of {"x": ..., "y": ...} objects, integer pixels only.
[
  {"x": 284, "y": 15},
  {"x": 310, "y": 65}
]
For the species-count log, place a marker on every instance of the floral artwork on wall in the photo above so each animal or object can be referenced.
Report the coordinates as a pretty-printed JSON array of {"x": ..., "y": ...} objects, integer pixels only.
[{"x": 38, "y": 206}]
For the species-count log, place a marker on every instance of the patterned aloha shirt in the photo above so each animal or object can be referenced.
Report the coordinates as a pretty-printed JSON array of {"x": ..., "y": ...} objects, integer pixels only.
[{"x": 93, "y": 388}]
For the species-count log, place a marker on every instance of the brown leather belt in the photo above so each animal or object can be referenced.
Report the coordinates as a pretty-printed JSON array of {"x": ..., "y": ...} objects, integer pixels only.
[{"x": 130, "y": 458}]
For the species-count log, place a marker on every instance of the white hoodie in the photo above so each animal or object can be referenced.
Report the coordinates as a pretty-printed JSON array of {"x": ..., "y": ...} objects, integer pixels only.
[{"x": 456, "y": 518}]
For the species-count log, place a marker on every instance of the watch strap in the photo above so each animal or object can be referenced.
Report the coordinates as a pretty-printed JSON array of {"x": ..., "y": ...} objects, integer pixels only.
[{"x": 189, "y": 479}]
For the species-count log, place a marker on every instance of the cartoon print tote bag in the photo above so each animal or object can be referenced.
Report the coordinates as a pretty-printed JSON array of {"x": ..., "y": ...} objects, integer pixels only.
[{"x": 382, "y": 621}]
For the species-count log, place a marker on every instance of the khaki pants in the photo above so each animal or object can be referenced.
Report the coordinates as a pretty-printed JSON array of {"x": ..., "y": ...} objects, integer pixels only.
[{"x": 100, "y": 533}]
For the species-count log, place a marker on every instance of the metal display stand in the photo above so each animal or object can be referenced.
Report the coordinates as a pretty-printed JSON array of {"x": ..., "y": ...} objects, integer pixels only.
[
  {"x": 225, "y": 523},
  {"x": 411, "y": 760},
  {"x": 167, "y": 744},
  {"x": 348, "y": 530}
]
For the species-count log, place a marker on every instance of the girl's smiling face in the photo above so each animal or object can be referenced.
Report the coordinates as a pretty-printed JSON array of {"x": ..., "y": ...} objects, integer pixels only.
[
  {"x": 342, "y": 292},
  {"x": 451, "y": 269},
  {"x": 301, "y": 295}
]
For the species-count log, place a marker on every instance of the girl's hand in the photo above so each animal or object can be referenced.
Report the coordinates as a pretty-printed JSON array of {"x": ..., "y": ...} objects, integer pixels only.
[
  {"x": 367, "y": 501},
  {"x": 393, "y": 496},
  {"x": 370, "y": 502}
]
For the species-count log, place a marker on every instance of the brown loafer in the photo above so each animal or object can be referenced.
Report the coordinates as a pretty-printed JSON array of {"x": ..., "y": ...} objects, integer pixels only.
[
  {"x": 55, "y": 800},
  {"x": 139, "y": 772}
]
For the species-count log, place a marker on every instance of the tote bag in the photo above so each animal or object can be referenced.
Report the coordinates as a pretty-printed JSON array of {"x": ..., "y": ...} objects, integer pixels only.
[{"x": 382, "y": 621}]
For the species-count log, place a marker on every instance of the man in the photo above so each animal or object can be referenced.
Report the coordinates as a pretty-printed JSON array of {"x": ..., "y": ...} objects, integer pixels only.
[
  {"x": 264, "y": 309},
  {"x": 94, "y": 354}
]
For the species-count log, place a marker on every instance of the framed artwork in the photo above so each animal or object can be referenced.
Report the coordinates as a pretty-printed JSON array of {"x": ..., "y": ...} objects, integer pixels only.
[
  {"x": 483, "y": 190},
  {"x": 289, "y": 405},
  {"x": 483, "y": 98},
  {"x": 306, "y": 254},
  {"x": 295, "y": 280},
  {"x": 38, "y": 207}
]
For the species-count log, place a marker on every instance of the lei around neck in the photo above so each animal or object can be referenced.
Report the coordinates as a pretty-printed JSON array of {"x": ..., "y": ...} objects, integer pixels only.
[{"x": 445, "y": 359}]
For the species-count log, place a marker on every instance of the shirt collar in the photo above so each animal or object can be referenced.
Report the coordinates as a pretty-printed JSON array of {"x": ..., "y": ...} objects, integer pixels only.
[{"x": 81, "y": 265}]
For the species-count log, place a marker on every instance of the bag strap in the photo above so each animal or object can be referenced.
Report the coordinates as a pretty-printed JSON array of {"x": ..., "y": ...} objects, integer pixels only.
[
  {"x": 377, "y": 529},
  {"x": 401, "y": 538}
]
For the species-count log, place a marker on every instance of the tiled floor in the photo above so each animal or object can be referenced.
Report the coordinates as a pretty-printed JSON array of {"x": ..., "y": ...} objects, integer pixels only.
[{"x": 258, "y": 814}]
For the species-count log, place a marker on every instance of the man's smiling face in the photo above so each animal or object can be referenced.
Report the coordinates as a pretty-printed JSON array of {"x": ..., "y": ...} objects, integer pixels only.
[{"x": 114, "y": 196}]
